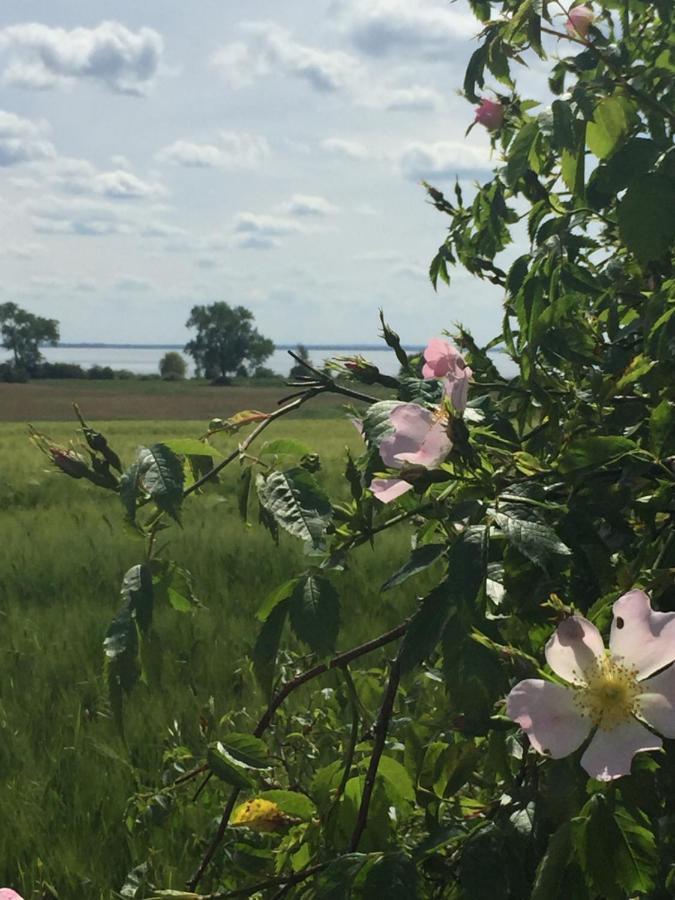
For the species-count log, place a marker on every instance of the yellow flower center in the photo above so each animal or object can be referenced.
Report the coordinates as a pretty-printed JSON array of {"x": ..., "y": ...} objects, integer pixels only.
[{"x": 611, "y": 694}]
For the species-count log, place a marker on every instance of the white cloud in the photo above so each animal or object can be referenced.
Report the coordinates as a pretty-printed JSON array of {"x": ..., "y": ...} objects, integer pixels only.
[
  {"x": 426, "y": 28},
  {"x": 444, "y": 159},
  {"x": 270, "y": 47},
  {"x": 40, "y": 57},
  {"x": 77, "y": 176},
  {"x": 22, "y": 140},
  {"x": 24, "y": 251},
  {"x": 343, "y": 147},
  {"x": 307, "y": 205},
  {"x": 234, "y": 150},
  {"x": 410, "y": 99},
  {"x": 94, "y": 217},
  {"x": 132, "y": 283},
  {"x": 263, "y": 224}
]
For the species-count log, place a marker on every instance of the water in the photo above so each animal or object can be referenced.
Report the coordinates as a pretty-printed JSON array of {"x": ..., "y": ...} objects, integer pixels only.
[{"x": 145, "y": 360}]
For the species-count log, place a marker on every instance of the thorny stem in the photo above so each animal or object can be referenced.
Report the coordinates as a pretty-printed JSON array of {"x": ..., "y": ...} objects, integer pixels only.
[
  {"x": 340, "y": 661},
  {"x": 380, "y": 728},
  {"x": 327, "y": 382}
]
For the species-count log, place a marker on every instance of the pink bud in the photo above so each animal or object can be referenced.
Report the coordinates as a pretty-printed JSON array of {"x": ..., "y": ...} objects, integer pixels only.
[
  {"x": 579, "y": 21},
  {"x": 490, "y": 114},
  {"x": 442, "y": 360}
]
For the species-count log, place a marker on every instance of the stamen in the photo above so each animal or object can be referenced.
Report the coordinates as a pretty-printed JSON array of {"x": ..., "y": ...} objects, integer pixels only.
[{"x": 611, "y": 694}]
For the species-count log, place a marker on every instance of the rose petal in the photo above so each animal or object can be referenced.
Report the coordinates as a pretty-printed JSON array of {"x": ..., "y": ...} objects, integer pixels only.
[
  {"x": 610, "y": 753},
  {"x": 411, "y": 423},
  {"x": 456, "y": 388},
  {"x": 9, "y": 894},
  {"x": 574, "y": 647},
  {"x": 385, "y": 490},
  {"x": 440, "y": 358},
  {"x": 547, "y": 714},
  {"x": 657, "y": 704},
  {"x": 645, "y": 639},
  {"x": 434, "y": 448}
]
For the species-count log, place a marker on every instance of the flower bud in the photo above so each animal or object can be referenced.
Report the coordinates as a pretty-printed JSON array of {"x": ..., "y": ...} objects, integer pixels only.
[
  {"x": 490, "y": 114},
  {"x": 579, "y": 21},
  {"x": 69, "y": 462}
]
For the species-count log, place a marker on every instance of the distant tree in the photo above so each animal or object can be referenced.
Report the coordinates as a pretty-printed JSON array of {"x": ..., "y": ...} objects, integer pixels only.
[
  {"x": 172, "y": 366},
  {"x": 297, "y": 369},
  {"x": 23, "y": 333},
  {"x": 226, "y": 340}
]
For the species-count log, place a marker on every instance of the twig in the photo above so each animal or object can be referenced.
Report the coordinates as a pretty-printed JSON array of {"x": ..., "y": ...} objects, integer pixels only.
[
  {"x": 328, "y": 384},
  {"x": 340, "y": 661},
  {"x": 380, "y": 728},
  {"x": 287, "y": 881}
]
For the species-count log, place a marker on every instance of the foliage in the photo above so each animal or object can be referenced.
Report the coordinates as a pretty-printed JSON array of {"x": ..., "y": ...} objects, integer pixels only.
[
  {"x": 172, "y": 366},
  {"x": 556, "y": 494},
  {"x": 23, "y": 333},
  {"x": 226, "y": 341}
]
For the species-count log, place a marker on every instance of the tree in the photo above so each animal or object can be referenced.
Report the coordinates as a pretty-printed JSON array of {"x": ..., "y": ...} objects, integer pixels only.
[
  {"x": 298, "y": 370},
  {"x": 226, "y": 340},
  {"x": 172, "y": 366},
  {"x": 23, "y": 332}
]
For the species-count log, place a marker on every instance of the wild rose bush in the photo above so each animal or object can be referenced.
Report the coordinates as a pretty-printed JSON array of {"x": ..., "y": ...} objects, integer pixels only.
[{"x": 489, "y": 746}]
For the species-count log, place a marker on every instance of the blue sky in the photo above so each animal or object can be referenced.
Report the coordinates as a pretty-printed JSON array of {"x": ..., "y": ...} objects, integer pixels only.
[{"x": 156, "y": 155}]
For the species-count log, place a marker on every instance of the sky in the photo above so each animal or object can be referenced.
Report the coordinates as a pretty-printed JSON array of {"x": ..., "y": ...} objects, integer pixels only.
[{"x": 158, "y": 155}]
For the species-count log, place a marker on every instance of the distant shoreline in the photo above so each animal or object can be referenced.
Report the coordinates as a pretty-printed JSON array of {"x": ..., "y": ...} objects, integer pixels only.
[{"x": 101, "y": 346}]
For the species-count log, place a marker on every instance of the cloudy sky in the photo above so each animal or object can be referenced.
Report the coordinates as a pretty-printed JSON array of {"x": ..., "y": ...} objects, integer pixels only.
[{"x": 160, "y": 154}]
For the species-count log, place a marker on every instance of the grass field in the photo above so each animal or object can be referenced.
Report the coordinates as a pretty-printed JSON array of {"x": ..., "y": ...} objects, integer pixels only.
[{"x": 64, "y": 773}]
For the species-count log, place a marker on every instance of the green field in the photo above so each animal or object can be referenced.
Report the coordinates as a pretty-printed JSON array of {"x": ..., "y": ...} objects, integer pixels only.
[{"x": 65, "y": 775}]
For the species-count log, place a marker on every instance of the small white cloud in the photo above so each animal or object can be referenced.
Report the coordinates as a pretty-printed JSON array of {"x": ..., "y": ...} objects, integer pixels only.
[
  {"x": 132, "y": 283},
  {"x": 255, "y": 241},
  {"x": 22, "y": 140},
  {"x": 234, "y": 150},
  {"x": 425, "y": 28},
  {"x": 77, "y": 176},
  {"x": 308, "y": 205},
  {"x": 264, "y": 225},
  {"x": 409, "y": 99},
  {"x": 93, "y": 217},
  {"x": 39, "y": 57},
  {"x": 26, "y": 251},
  {"x": 444, "y": 159},
  {"x": 269, "y": 47},
  {"x": 347, "y": 148}
]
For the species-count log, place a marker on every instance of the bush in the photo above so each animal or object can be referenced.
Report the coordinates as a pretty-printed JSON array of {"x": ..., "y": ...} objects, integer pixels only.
[
  {"x": 59, "y": 370},
  {"x": 13, "y": 375},
  {"x": 101, "y": 373},
  {"x": 172, "y": 366}
]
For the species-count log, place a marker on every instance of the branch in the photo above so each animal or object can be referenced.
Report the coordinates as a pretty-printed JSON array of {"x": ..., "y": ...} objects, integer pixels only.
[
  {"x": 287, "y": 881},
  {"x": 327, "y": 383},
  {"x": 380, "y": 728},
  {"x": 340, "y": 661}
]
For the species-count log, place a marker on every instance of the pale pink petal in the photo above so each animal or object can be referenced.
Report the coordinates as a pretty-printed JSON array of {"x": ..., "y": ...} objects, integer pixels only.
[
  {"x": 440, "y": 357},
  {"x": 385, "y": 490},
  {"x": 433, "y": 449},
  {"x": 456, "y": 388},
  {"x": 428, "y": 371},
  {"x": 657, "y": 704},
  {"x": 610, "y": 753},
  {"x": 574, "y": 647},
  {"x": 547, "y": 714},
  {"x": 411, "y": 424},
  {"x": 9, "y": 894},
  {"x": 437, "y": 349},
  {"x": 644, "y": 639}
]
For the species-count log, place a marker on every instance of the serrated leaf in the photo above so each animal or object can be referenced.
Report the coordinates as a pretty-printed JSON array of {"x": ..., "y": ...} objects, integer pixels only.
[
  {"x": 593, "y": 452},
  {"x": 248, "y": 750},
  {"x": 646, "y": 216},
  {"x": 264, "y": 653},
  {"x": 297, "y": 503},
  {"x": 315, "y": 613},
  {"x": 190, "y": 447},
  {"x": 243, "y": 491},
  {"x": 553, "y": 864},
  {"x": 292, "y": 803},
  {"x": 377, "y": 422},
  {"x": 536, "y": 541},
  {"x": 335, "y": 882},
  {"x": 425, "y": 628},
  {"x": 661, "y": 427},
  {"x": 420, "y": 559},
  {"x": 275, "y": 597},
  {"x": 138, "y": 594},
  {"x": 611, "y": 121},
  {"x": 393, "y": 876},
  {"x": 227, "y": 767}
]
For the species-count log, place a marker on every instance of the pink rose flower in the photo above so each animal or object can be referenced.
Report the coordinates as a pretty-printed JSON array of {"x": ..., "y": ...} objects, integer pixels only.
[
  {"x": 579, "y": 21},
  {"x": 490, "y": 114},
  {"x": 9, "y": 894},
  {"x": 418, "y": 437},
  {"x": 613, "y": 693},
  {"x": 442, "y": 360}
]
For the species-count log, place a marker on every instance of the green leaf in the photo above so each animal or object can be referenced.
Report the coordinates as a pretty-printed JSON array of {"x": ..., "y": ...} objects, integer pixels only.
[
  {"x": 425, "y": 628},
  {"x": 297, "y": 503},
  {"x": 292, "y": 803},
  {"x": 138, "y": 594},
  {"x": 635, "y": 158},
  {"x": 564, "y": 135},
  {"x": 420, "y": 559},
  {"x": 646, "y": 217},
  {"x": 227, "y": 767},
  {"x": 553, "y": 864},
  {"x": 129, "y": 491},
  {"x": 283, "y": 592},
  {"x": 248, "y": 750},
  {"x": 661, "y": 427},
  {"x": 611, "y": 121},
  {"x": 377, "y": 422},
  {"x": 534, "y": 540},
  {"x": 519, "y": 151},
  {"x": 157, "y": 473},
  {"x": 593, "y": 452},
  {"x": 393, "y": 876},
  {"x": 243, "y": 491},
  {"x": 190, "y": 447},
  {"x": 285, "y": 447},
  {"x": 335, "y": 882},
  {"x": 395, "y": 775},
  {"x": 264, "y": 653},
  {"x": 315, "y": 613}
]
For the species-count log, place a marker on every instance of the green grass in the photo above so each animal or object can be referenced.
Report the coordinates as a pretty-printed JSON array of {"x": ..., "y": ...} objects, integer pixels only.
[{"x": 65, "y": 775}]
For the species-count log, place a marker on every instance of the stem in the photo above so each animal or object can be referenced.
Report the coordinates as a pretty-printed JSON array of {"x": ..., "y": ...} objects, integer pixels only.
[
  {"x": 287, "y": 881},
  {"x": 340, "y": 661},
  {"x": 327, "y": 382},
  {"x": 380, "y": 728}
]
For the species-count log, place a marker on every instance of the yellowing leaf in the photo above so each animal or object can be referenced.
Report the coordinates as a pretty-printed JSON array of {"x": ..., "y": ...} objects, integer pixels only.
[
  {"x": 260, "y": 815},
  {"x": 237, "y": 421}
]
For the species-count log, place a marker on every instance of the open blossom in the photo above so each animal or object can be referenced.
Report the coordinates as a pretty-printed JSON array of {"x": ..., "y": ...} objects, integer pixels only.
[
  {"x": 490, "y": 114},
  {"x": 579, "y": 21},
  {"x": 9, "y": 894},
  {"x": 418, "y": 437},
  {"x": 442, "y": 360},
  {"x": 614, "y": 693}
]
